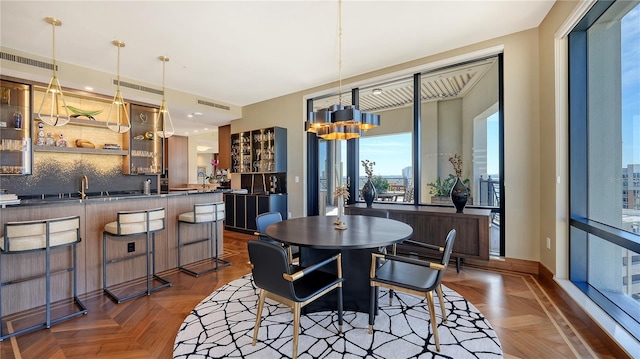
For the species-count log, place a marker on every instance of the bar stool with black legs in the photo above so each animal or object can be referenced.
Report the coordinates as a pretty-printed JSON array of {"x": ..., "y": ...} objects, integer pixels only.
[
  {"x": 134, "y": 223},
  {"x": 210, "y": 214},
  {"x": 47, "y": 235}
]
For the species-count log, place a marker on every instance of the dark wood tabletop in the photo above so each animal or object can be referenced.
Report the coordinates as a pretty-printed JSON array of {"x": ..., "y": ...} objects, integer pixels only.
[{"x": 319, "y": 232}]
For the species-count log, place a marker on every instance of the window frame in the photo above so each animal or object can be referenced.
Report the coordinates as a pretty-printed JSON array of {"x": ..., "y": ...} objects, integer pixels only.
[{"x": 580, "y": 225}]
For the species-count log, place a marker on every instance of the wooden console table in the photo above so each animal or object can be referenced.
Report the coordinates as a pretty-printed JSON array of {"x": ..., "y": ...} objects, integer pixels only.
[{"x": 431, "y": 225}]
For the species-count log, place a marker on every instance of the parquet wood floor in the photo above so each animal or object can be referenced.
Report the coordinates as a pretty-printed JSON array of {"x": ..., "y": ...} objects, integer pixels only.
[{"x": 530, "y": 317}]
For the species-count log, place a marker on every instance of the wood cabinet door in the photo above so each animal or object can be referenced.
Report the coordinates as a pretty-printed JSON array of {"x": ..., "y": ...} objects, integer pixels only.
[{"x": 178, "y": 160}]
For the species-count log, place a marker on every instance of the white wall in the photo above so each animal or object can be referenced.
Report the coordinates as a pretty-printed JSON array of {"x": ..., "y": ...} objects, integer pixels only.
[{"x": 522, "y": 142}]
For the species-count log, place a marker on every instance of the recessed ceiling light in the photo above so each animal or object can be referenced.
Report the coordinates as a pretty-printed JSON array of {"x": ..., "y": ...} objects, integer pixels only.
[
  {"x": 206, "y": 129},
  {"x": 189, "y": 115},
  {"x": 377, "y": 91},
  {"x": 197, "y": 113},
  {"x": 88, "y": 88},
  {"x": 196, "y": 131}
]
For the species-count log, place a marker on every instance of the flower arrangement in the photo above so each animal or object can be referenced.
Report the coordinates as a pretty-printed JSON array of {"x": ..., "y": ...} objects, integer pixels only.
[
  {"x": 368, "y": 168},
  {"x": 456, "y": 161},
  {"x": 342, "y": 194},
  {"x": 342, "y": 191},
  {"x": 214, "y": 170}
]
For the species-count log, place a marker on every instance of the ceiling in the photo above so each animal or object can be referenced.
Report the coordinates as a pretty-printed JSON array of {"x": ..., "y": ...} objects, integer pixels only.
[
  {"x": 243, "y": 52},
  {"x": 445, "y": 84}
]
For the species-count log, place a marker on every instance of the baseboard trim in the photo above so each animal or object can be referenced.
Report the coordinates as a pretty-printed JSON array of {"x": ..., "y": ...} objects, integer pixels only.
[
  {"x": 508, "y": 264},
  {"x": 547, "y": 277}
]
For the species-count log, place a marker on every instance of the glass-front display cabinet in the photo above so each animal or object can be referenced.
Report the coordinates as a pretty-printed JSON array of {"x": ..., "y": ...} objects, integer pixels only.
[
  {"x": 259, "y": 151},
  {"x": 15, "y": 129},
  {"x": 145, "y": 147}
]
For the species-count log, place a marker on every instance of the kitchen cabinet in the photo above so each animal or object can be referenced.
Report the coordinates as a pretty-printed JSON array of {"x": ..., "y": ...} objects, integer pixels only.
[
  {"x": 15, "y": 129},
  {"x": 146, "y": 149},
  {"x": 224, "y": 147},
  {"x": 177, "y": 160},
  {"x": 242, "y": 209}
]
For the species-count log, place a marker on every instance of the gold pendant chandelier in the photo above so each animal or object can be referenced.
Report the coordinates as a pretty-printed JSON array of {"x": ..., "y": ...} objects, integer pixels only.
[
  {"x": 122, "y": 123},
  {"x": 165, "y": 116},
  {"x": 54, "y": 117}
]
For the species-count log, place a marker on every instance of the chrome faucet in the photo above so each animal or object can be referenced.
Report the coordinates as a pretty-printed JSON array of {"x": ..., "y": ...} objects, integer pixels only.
[{"x": 84, "y": 185}]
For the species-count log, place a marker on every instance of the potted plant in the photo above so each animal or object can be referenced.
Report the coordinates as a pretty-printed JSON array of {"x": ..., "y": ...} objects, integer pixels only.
[
  {"x": 381, "y": 184},
  {"x": 441, "y": 189}
]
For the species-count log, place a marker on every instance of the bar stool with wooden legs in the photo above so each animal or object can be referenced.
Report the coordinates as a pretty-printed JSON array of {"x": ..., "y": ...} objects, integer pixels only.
[
  {"x": 206, "y": 213},
  {"x": 128, "y": 224},
  {"x": 44, "y": 235}
]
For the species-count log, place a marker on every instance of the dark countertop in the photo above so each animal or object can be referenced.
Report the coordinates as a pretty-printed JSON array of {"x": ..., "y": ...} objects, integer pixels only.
[{"x": 97, "y": 197}]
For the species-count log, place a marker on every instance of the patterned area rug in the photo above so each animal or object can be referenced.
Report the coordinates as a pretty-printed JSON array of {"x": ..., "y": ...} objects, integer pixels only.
[{"x": 221, "y": 326}]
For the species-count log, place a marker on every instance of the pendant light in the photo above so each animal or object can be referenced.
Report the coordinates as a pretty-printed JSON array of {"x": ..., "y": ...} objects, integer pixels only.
[
  {"x": 122, "y": 123},
  {"x": 340, "y": 122},
  {"x": 165, "y": 117},
  {"x": 54, "y": 91}
]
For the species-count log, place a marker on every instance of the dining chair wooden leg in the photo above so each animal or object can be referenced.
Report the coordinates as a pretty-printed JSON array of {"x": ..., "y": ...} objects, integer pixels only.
[
  {"x": 296, "y": 328},
  {"x": 432, "y": 314},
  {"x": 261, "y": 297},
  {"x": 444, "y": 314}
]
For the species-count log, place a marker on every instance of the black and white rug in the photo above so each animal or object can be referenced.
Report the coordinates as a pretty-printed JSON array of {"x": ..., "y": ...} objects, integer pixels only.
[{"x": 221, "y": 326}]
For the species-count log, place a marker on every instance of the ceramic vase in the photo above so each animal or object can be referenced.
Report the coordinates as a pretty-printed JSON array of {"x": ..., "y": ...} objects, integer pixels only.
[
  {"x": 17, "y": 119},
  {"x": 459, "y": 195},
  {"x": 368, "y": 193}
]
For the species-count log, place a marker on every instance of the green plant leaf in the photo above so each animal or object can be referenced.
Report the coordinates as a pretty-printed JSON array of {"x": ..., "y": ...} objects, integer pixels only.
[{"x": 78, "y": 111}]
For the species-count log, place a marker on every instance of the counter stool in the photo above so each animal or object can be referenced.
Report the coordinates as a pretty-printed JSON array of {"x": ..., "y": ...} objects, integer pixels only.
[
  {"x": 206, "y": 213},
  {"x": 134, "y": 223},
  {"x": 42, "y": 235}
]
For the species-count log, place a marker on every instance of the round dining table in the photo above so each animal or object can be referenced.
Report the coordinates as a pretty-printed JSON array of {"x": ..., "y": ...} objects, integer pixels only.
[{"x": 318, "y": 239}]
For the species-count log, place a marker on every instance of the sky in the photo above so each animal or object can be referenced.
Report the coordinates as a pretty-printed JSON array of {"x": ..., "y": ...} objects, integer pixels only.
[
  {"x": 630, "y": 48},
  {"x": 391, "y": 153}
]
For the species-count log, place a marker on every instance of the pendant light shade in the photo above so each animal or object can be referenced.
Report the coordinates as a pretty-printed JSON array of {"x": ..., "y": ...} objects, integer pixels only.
[
  {"x": 51, "y": 114},
  {"x": 340, "y": 122},
  {"x": 121, "y": 123},
  {"x": 166, "y": 124}
]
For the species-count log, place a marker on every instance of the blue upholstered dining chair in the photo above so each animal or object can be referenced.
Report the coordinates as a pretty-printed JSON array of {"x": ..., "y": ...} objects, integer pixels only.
[
  {"x": 413, "y": 276},
  {"x": 266, "y": 219},
  {"x": 263, "y": 221},
  {"x": 289, "y": 284}
]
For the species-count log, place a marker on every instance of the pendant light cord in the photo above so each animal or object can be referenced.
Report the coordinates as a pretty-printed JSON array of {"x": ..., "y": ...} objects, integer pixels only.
[
  {"x": 118, "y": 86},
  {"x": 53, "y": 24},
  {"x": 340, "y": 52}
]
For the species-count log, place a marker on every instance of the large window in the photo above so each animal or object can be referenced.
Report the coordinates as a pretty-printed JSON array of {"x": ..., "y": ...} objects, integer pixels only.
[
  {"x": 390, "y": 144},
  {"x": 392, "y": 176},
  {"x": 426, "y": 118},
  {"x": 460, "y": 117},
  {"x": 605, "y": 159}
]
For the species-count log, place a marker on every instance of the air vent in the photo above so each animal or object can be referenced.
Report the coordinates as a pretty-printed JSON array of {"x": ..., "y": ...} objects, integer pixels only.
[
  {"x": 26, "y": 61},
  {"x": 138, "y": 87},
  {"x": 216, "y": 105}
]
